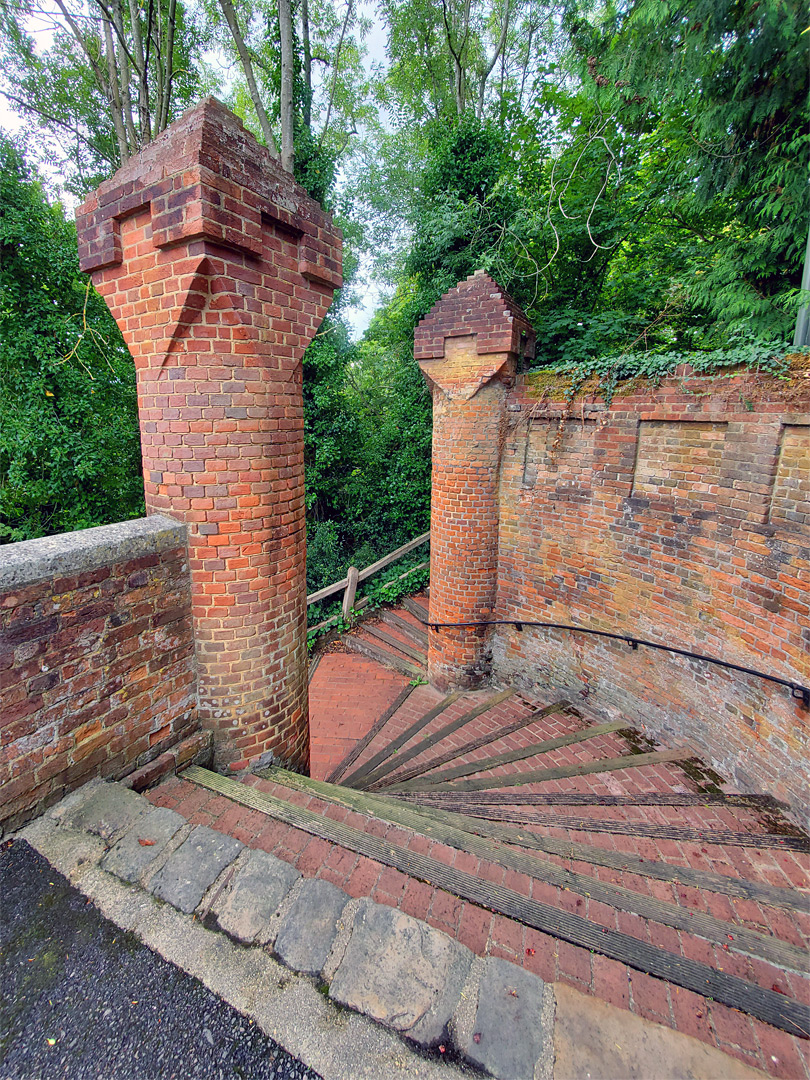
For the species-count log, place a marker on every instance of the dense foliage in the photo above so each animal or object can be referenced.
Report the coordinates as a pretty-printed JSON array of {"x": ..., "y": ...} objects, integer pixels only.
[{"x": 69, "y": 444}]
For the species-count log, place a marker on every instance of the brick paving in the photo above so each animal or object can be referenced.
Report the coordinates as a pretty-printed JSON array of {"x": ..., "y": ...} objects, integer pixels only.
[{"x": 349, "y": 693}]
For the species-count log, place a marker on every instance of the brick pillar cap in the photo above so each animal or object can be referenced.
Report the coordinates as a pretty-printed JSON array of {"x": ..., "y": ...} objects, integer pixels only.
[
  {"x": 207, "y": 178},
  {"x": 476, "y": 308}
]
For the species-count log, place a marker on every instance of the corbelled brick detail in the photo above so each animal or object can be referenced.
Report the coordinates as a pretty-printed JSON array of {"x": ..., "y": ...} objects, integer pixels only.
[
  {"x": 468, "y": 347},
  {"x": 219, "y": 270}
]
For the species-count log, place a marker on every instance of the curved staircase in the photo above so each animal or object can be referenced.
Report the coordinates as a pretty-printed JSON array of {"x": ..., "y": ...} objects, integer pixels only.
[{"x": 591, "y": 855}]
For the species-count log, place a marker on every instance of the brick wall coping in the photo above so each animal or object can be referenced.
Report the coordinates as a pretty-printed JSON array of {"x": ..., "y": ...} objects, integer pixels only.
[{"x": 30, "y": 561}]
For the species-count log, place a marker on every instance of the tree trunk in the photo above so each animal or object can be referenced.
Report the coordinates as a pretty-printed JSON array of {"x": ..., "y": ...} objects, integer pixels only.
[
  {"x": 233, "y": 25},
  {"x": 307, "y": 106},
  {"x": 285, "y": 28},
  {"x": 115, "y": 95}
]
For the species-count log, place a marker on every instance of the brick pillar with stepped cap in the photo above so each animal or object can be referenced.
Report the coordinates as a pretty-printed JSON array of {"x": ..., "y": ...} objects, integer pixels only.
[
  {"x": 468, "y": 347},
  {"x": 219, "y": 269}
]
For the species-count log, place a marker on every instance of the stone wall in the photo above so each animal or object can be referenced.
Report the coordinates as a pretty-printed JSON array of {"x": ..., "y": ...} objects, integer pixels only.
[
  {"x": 681, "y": 514},
  {"x": 96, "y": 658}
]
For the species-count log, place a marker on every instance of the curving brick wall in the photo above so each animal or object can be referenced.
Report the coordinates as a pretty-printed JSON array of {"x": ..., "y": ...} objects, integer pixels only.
[{"x": 681, "y": 514}]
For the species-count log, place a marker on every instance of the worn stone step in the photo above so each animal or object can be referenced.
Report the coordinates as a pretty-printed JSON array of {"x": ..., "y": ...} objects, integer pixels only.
[{"x": 737, "y": 993}]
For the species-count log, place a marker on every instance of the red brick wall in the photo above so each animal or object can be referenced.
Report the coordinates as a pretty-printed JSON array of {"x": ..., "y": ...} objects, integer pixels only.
[
  {"x": 219, "y": 270},
  {"x": 681, "y": 515},
  {"x": 96, "y": 659}
]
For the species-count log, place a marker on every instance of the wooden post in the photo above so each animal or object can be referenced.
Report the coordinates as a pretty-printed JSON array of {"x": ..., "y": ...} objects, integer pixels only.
[{"x": 351, "y": 589}]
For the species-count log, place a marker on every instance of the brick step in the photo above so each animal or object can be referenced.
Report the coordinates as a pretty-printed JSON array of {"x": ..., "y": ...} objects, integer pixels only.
[
  {"x": 410, "y": 627},
  {"x": 412, "y": 605},
  {"x": 393, "y": 755},
  {"x": 313, "y": 816},
  {"x": 389, "y": 659},
  {"x": 465, "y": 833},
  {"x": 395, "y": 640}
]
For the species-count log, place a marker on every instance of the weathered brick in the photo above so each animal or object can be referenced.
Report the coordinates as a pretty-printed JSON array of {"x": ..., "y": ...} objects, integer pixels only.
[
  {"x": 679, "y": 514},
  {"x": 218, "y": 344}
]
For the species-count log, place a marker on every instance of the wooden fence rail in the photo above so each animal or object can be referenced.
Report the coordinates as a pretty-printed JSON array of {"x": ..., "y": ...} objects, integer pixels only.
[{"x": 348, "y": 585}]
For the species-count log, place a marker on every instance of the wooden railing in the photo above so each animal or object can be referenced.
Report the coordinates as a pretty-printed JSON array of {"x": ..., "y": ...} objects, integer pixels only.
[{"x": 348, "y": 585}]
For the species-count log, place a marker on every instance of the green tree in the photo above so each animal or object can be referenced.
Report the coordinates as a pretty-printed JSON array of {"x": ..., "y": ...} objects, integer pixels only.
[
  {"x": 721, "y": 86},
  {"x": 69, "y": 442},
  {"x": 113, "y": 76}
]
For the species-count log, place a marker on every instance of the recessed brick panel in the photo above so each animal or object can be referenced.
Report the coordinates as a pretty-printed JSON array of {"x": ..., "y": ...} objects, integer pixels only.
[
  {"x": 790, "y": 499},
  {"x": 679, "y": 460}
]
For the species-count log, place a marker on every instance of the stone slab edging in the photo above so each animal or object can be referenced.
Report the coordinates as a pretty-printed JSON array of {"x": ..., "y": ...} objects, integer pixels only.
[
  {"x": 31, "y": 561},
  {"x": 218, "y": 910}
]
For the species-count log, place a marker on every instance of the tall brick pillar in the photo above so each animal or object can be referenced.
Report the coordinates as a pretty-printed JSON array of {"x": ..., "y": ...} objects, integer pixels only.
[
  {"x": 467, "y": 346},
  {"x": 219, "y": 269}
]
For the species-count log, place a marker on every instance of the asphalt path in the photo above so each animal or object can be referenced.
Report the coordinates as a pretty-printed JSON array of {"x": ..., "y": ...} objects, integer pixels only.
[{"x": 81, "y": 999}]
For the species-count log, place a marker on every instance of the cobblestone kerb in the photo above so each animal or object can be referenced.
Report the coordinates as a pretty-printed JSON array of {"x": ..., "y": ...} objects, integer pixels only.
[{"x": 412, "y": 979}]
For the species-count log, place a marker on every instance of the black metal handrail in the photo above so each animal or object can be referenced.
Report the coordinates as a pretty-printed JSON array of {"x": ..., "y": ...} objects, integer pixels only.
[{"x": 801, "y": 693}]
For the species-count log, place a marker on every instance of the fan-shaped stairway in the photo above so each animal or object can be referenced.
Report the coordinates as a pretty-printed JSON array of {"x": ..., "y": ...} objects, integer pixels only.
[{"x": 472, "y": 774}]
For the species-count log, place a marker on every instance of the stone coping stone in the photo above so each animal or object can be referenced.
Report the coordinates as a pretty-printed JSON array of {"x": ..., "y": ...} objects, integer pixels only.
[
  {"x": 138, "y": 848},
  {"x": 309, "y": 928},
  {"x": 31, "y": 561},
  {"x": 256, "y": 892},
  {"x": 595, "y": 1040},
  {"x": 401, "y": 972},
  {"x": 509, "y": 1033},
  {"x": 193, "y": 868},
  {"x": 109, "y": 811}
]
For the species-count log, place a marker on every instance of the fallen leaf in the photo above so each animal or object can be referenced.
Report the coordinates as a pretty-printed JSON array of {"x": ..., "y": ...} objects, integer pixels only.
[{"x": 146, "y": 843}]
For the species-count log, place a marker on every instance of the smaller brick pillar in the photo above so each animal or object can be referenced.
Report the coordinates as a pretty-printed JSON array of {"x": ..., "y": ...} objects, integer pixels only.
[
  {"x": 219, "y": 269},
  {"x": 467, "y": 346}
]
